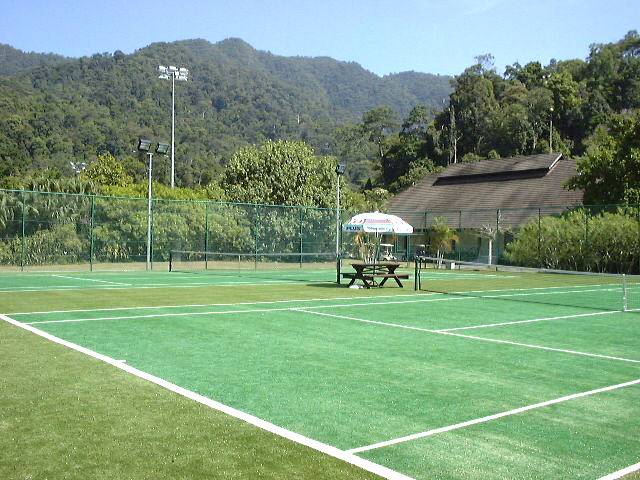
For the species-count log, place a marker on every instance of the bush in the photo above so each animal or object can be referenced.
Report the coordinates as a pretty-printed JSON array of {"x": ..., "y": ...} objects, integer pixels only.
[{"x": 609, "y": 242}]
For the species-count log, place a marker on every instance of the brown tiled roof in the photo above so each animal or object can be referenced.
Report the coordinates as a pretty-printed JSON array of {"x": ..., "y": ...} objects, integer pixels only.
[{"x": 509, "y": 184}]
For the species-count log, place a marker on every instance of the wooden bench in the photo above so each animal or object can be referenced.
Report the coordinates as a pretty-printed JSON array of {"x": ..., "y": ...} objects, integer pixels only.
[{"x": 369, "y": 279}]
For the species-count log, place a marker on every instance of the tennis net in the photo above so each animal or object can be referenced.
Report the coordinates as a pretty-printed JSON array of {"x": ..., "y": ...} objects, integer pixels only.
[
  {"x": 588, "y": 290},
  {"x": 295, "y": 267}
]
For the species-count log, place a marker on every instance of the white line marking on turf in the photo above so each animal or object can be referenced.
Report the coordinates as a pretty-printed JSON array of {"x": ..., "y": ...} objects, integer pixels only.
[
  {"x": 493, "y": 340},
  {"x": 489, "y": 418},
  {"x": 258, "y": 422},
  {"x": 539, "y": 347},
  {"x": 155, "y": 307},
  {"x": 91, "y": 280},
  {"x": 148, "y": 286},
  {"x": 621, "y": 473},
  {"x": 518, "y": 322},
  {"x": 230, "y": 312}
]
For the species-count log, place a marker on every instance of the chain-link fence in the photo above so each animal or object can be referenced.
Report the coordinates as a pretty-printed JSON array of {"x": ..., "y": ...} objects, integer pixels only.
[
  {"x": 57, "y": 230},
  {"x": 603, "y": 238}
]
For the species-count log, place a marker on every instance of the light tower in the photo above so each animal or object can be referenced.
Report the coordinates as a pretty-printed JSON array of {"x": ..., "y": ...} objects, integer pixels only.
[{"x": 174, "y": 73}]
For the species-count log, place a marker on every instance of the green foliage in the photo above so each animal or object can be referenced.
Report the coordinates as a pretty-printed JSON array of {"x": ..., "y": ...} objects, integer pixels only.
[
  {"x": 106, "y": 171},
  {"x": 60, "y": 244},
  {"x": 442, "y": 236},
  {"x": 280, "y": 173},
  {"x": 610, "y": 171},
  {"x": 13, "y": 61},
  {"x": 377, "y": 125},
  {"x": 608, "y": 242},
  {"x": 79, "y": 108}
]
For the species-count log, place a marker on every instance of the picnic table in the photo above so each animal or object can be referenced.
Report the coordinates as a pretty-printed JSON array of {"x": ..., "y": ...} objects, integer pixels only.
[{"x": 370, "y": 273}]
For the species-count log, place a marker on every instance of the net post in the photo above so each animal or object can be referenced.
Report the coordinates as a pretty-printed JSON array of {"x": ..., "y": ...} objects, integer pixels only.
[
  {"x": 625, "y": 298},
  {"x": 171, "y": 260},
  {"x": 416, "y": 278}
]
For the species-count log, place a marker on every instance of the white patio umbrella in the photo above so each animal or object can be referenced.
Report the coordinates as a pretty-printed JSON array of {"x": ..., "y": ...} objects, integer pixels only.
[{"x": 377, "y": 223}]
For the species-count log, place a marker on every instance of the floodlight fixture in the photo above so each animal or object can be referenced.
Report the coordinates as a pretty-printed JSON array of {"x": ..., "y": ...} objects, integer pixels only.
[
  {"x": 340, "y": 168},
  {"x": 162, "y": 148},
  {"x": 144, "y": 145}
]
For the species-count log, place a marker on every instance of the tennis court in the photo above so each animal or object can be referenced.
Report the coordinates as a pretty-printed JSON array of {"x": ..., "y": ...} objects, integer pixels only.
[{"x": 502, "y": 375}]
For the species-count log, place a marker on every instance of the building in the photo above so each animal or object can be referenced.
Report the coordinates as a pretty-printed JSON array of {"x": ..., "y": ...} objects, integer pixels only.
[{"x": 492, "y": 195}]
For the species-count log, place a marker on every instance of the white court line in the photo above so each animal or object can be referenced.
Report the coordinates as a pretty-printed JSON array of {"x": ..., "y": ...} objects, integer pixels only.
[
  {"x": 91, "y": 280},
  {"x": 489, "y": 418},
  {"x": 621, "y": 473},
  {"x": 59, "y": 288},
  {"x": 518, "y": 322},
  {"x": 539, "y": 347},
  {"x": 228, "y": 312},
  {"x": 493, "y": 340},
  {"x": 155, "y": 307},
  {"x": 258, "y": 422}
]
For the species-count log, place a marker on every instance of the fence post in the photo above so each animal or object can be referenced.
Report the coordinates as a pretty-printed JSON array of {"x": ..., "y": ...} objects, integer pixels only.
[
  {"x": 638, "y": 218},
  {"x": 255, "y": 231},
  {"x": 539, "y": 237},
  {"x": 300, "y": 233},
  {"x": 153, "y": 201},
  {"x": 586, "y": 267},
  {"x": 206, "y": 235},
  {"x": 23, "y": 244},
  {"x": 91, "y": 227},
  {"x": 496, "y": 243}
]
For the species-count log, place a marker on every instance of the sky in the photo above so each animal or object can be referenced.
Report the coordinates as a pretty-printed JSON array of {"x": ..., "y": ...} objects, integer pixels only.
[{"x": 433, "y": 36}]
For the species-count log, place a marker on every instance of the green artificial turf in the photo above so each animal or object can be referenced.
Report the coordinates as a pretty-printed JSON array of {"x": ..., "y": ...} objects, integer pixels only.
[
  {"x": 65, "y": 415},
  {"x": 336, "y": 365}
]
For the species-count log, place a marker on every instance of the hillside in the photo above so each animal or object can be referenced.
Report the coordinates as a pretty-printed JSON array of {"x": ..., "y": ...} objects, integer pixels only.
[
  {"x": 14, "y": 61},
  {"x": 53, "y": 112}
]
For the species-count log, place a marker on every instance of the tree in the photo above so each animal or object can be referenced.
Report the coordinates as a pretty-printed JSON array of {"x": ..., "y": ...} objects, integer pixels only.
[
  {"x": 441, "y": 238},
  {"x": 107, "y": 171},
  {"x": 609, "y": 173},
  {"x": 280, "y": 173},
  {"x": 378, "y": 124}
]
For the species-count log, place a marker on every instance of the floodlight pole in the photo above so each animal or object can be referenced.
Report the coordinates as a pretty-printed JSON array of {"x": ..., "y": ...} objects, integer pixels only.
[
  {"x": 338, "y": 229},
  {"x": 149, "y": 200},
  {"x": 173, "y": 131},
  {"x": 339, "y": 172},
  {"x": 181, "y": 74}
]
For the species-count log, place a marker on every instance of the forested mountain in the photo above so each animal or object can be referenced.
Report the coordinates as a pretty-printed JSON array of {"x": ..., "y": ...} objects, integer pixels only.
[
  {"x": 14, "y": 61},
  {"x": 74, "y": 109}
]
